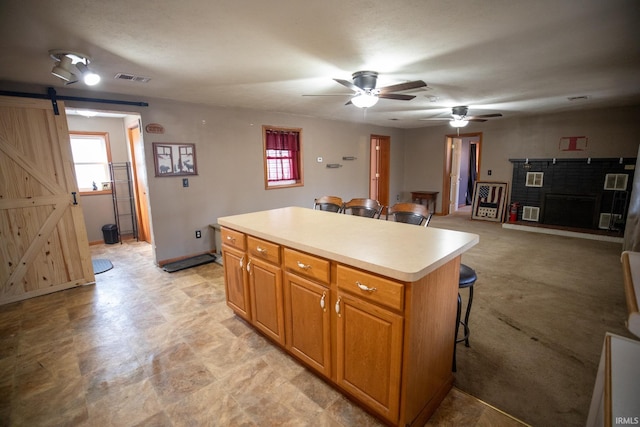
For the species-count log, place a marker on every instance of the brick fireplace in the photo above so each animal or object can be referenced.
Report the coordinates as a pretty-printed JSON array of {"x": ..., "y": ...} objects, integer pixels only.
[{"x": 576, "y": 193}]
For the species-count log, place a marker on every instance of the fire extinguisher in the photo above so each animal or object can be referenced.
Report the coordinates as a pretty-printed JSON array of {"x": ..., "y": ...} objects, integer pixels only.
[{"x": 513, "y": 212}]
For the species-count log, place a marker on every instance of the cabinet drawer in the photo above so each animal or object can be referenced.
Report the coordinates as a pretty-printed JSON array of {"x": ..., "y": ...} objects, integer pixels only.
[
  {"x": 233, "y": 238},
  {"x": 261, "y": 249},
  {"x": 370, "y": 287},
  {"x": 307, "y": 265}
]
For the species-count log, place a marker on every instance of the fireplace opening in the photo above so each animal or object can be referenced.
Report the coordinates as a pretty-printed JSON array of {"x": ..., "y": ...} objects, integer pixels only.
[{"x": 571, "y": 210}]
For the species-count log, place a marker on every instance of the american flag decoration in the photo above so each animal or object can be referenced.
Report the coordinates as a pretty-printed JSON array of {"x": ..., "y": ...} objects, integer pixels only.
[{"x": 489, "y": 201}]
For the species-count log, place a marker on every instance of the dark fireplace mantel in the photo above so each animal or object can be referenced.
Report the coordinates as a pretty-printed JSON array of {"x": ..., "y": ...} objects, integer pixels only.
[{"x": 574, "y": 210}]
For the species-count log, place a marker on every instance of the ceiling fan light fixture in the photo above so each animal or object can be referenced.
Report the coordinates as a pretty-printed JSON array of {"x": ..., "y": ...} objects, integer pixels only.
[
  {"x": 458, "y": 123},
  {"x": 364, "y": 100}
]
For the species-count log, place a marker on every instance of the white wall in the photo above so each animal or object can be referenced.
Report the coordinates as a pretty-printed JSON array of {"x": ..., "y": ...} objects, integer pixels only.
[
  {"x": 229, "y": 155},
  {"x": 230, "y": 176},
  {"x": 612, "y": 132}
]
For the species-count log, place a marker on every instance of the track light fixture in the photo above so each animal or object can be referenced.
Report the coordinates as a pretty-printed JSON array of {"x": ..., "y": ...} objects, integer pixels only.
[{"x": 64, "y": 67}]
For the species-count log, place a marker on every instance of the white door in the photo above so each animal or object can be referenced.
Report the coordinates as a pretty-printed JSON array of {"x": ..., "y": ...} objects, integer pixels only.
[{"x": 456, "y": 151}]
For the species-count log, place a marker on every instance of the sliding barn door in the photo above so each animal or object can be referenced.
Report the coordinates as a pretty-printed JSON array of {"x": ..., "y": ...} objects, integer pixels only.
[{"x": 43, "y": 239}]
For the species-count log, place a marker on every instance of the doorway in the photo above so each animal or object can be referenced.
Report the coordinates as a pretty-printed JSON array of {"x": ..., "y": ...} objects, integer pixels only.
[
  {"x": 138, "y": 167},
  {"x": 380, "y": 154},
  {"x": 462, "y": 152}
]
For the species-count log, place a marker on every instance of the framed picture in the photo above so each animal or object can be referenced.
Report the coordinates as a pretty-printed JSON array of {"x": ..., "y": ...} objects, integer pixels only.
[
  {"x": 489, "y": 199},
  {"x": 174, "y": 159}
]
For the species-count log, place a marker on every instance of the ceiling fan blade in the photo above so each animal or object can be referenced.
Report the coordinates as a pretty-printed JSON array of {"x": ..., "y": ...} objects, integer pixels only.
[
  {"x": 484, "y": 116},
  {"x": 437, "y": 119},
  {"x": 348, "y": 84},
  {"x": 396, "y": 96},
  {"x": 474, "y": 119},
  {"x": 402, "y": 86}
]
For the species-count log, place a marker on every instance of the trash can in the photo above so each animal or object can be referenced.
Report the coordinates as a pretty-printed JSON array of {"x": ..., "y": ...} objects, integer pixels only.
[{"x": 110, "y": 233}]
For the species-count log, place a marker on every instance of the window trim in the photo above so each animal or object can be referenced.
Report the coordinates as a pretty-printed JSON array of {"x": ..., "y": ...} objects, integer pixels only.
[
  {"x": 300, "y": 160},
  {"x": 107, "y": 144}
]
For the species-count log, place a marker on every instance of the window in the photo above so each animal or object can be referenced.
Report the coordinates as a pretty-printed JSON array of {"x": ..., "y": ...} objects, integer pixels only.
[
  {"x": 282, "y": 157},
  {"x": 91, "y": 157}
]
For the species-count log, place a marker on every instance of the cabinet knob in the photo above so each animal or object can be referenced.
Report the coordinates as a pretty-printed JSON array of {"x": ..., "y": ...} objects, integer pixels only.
[
  {"x": 263, "y": 251},
  {"x": 231, "y": 239},
  {"x": 303, "y": 266},
  {"x": 365, "y": 287}
]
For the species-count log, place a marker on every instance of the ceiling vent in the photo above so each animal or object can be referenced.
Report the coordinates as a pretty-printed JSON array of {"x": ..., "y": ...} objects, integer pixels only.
[{"x": 132, "y": 78}]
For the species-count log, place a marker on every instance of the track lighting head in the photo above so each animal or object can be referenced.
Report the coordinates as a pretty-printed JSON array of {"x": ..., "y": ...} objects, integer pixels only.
[{"x": 64, "y": 67}]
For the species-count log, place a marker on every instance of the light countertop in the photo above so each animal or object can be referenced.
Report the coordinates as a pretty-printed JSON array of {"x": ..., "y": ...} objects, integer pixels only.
[{"x": 401, "y": 251}]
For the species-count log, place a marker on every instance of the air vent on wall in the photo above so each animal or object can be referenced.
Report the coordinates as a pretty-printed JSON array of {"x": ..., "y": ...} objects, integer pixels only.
[
  {"x": 530, "y": 213},
  {"x": 132, "y": 78}
]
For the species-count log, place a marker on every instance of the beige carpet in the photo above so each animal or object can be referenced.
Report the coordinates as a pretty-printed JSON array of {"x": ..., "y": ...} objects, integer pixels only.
[{"x": 541, "y": 307}]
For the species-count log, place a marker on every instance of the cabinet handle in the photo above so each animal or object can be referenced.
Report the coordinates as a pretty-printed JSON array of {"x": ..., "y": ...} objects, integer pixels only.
[
  {"x": 365, "y": 287},
  {"x": 303, "y": 266},
  {"x": 249, "y": 267},
  {"x": 263, "y": 251},
  {"x": 231, "y": 239},
  {"x": 337, "y": 307},
  {"x": 242, "y": 262},
  {"x": 322, "y": 303}
]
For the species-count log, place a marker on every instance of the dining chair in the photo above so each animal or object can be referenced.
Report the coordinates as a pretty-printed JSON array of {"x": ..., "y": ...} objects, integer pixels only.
[
  {"x": 410, "y": 213},
  {"x": 328, "y": 203},
  {"x": 369, "y": 208}
]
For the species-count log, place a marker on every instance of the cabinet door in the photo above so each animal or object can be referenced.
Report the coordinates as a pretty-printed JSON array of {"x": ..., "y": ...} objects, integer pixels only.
[
  {"x": 265, "y": 285},
  {"x": 235, "y": 282},
  {"x": 308, "y": 319},
  {"x": 369, "y": 349}
]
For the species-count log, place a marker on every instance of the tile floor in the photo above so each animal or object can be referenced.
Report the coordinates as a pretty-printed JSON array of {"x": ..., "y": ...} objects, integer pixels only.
[{"x": 143, "y": 347}]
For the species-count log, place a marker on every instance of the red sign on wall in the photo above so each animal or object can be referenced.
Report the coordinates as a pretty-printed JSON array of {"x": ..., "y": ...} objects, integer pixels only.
[{"x": 573, "y": 143}]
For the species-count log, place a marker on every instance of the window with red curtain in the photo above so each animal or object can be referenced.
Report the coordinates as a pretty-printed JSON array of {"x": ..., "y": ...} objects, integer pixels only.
[{"x": 282, "y": 155}]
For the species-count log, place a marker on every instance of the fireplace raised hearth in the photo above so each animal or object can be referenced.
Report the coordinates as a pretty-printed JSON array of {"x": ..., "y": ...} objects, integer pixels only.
[{"x": 572, "y": 210}]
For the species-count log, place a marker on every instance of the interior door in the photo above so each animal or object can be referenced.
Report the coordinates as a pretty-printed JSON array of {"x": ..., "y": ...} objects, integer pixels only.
[
  {"x": 44, "y": 245},
  {"x": 454, "y": 177},
  {"x": 140, "y": 184},
  {"x": 380, "y": 154}
]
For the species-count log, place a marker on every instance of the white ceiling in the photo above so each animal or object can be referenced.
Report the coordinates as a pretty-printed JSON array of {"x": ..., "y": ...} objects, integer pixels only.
[{"x": 510, "y": 56}]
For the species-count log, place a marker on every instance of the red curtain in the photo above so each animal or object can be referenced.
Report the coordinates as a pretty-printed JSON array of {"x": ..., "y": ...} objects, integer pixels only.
[{"x": 282, "y": 154}]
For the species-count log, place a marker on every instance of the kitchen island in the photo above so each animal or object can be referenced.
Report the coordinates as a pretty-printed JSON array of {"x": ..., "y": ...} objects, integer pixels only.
[{"x": 369, "y": 305}]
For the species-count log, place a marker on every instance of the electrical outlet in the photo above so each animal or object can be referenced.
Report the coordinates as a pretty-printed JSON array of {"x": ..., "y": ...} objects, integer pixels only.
[{"x": 198, "y": 234}]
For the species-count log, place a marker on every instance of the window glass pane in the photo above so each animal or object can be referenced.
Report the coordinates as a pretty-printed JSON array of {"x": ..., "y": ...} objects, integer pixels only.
[
  {"x": 88, "y": 150},
  {"x": 91, "y": 160},
  {"x": 87, "y": 174}
]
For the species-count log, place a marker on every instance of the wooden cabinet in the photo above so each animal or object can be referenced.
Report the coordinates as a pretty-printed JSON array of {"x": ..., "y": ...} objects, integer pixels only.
[
  {"x": 265, "y": 287},
  {"x": 369, "y": 354},
  {"x": 307, "y": 310},
  {"x": 369, "y": 340},
  {"x": 385, "y": 340},
  {"x": 235, "y": 278}
]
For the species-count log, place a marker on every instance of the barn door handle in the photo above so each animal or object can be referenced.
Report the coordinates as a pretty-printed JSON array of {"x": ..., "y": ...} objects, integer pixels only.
[{"x": 73, "y": 193}]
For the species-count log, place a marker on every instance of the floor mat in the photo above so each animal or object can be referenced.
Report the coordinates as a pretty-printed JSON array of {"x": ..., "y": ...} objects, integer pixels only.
[
  {"x": 189, "y": 262},
  {"x": 101, "y": 265}
]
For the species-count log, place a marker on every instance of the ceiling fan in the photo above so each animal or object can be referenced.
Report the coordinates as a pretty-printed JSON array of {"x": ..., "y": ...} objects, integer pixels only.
[
  {"x": 459, "y": 117},
  {"x": 366, "y": 94}
]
